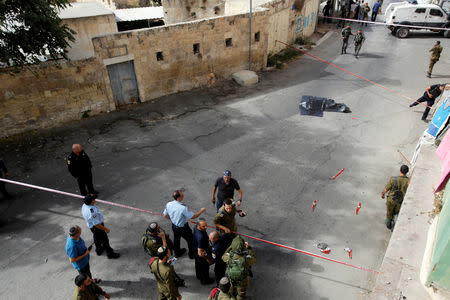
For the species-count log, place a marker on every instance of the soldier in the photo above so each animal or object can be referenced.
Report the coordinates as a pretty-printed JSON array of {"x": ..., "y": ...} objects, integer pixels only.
[
  {"x": 435, "y": 55},
  {"x": 346, "y": 33},
  {"x": 239, "y": 258},
  {"x": 431, "y": 93},
  {"x": 94, "y": 220},
  {"x": 165, "y": 275},
  {"x": 225, "y": 187},
  {"x": 359, "y": 39},
  {"x": 365, "y": 13},
  {"x": 225, "y": 219},
  {"x": 222, "y": 291},
  {"x": 153, "y": 238},
  {"x": 3, "y": 170},
  {"x": 87, "y": 289},
  {"x": 219, "y": 244},
  {"x": 80, "y": 167},
  {"x": 396, "y": 187}
]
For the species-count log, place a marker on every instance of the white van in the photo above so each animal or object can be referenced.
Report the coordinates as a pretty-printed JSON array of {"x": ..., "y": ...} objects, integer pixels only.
[{"x": 405, "y": 13}]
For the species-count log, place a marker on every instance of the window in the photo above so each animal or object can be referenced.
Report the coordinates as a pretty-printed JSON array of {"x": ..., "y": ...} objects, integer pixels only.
[
  {"x": 420, "y": 11},
  {"x": 229, "y": 42},
  {"x": 159, "y": 56},
  {"x": 435, "y": 12},
  {"x": 257, "y": 36},
  {"x": 196, "y": 48}
]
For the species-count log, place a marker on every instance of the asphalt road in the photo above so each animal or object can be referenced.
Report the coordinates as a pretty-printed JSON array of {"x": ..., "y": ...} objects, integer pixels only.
[{"x": 282, "y": 160}]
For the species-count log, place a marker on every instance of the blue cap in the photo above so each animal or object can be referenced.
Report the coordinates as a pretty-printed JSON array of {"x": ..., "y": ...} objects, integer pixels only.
[{"x": 227, "y": 173}]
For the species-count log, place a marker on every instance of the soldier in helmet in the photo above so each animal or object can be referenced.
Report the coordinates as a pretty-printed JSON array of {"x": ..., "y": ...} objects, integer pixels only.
[
  {"x": 239, "y": 258},
  {"x": 153, "y": 238}
]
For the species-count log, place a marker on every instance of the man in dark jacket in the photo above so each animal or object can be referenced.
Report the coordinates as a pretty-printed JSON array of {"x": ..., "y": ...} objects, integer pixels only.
[
  {"x": 3, "y": 173},
  {"x": 80, "y": 167},
  {"x": 431, "y": 93}
]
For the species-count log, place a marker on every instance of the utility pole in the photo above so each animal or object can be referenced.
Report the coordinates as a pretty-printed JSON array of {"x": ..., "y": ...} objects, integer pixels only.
[{"x": 250, "y": 39}]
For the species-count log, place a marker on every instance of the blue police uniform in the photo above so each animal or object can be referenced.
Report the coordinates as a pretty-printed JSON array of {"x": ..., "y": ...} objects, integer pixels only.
[
  {"x": 179, "y": 214},
  {"x": 94, "y": 216}
]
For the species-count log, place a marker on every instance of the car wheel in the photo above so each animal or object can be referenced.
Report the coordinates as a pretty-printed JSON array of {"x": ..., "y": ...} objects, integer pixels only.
[
  {"x": 447, "y": 33},
  {"x": 402, "y": 32}
]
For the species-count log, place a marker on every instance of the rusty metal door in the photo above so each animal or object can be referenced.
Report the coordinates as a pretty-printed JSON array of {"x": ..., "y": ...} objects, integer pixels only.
[{"x": 123, "y": 83}]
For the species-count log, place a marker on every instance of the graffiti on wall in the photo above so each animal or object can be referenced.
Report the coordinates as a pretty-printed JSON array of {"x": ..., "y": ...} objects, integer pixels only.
[{"x": 299, "y": 26}]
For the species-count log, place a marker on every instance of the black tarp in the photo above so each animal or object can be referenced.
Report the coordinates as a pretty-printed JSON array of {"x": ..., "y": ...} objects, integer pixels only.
[{"x": 315, "y": 106}]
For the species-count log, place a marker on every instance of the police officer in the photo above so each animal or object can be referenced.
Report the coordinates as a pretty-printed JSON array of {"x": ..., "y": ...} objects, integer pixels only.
[
  {"x": 435, "y": 55},
  {"x": 430, "y": 95},
  {"x": 397, "y": 187},
  {"x": 165, "y": 276},
  {"x": 3, "y": 173},
  {"x": 345, "y": 33},
  {"x": 80, "y": 166},
  {"x": 225, "y": 219},
  {"x": 220, "y": 244},
  {"x": 225, "y": 187},
  {"x": 222, "y": 291},
  {"x": 153, "y": 238},
  {"x": 178, "y": 214},
  {"x": 233, "y": 258},
  {"x": 94, "y": 220}
]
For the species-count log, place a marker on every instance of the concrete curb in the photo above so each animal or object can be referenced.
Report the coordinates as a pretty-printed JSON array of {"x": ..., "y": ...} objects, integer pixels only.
[{"x": 322, "y": 39}]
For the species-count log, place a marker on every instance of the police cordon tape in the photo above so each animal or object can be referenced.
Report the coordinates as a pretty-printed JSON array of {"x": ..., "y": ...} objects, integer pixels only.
[
  {"x": 159, "y": 214},
  {"x": 385, "y": 24},
  {"x": 351, "y": 73}
]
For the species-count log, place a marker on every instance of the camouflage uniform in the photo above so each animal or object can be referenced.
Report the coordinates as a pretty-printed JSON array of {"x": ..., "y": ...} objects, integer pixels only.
[
  {"x": 435, "y": 55},
  {"x": 392, "y": 206},
  {"x": 166, "y": 280},
  {"x": 238, "y": 250}
]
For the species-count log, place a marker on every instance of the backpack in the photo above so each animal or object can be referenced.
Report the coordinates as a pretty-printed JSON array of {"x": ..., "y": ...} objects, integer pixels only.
[
  {"x": 145, "y": 238},
  {"x": 215, "y": 292},
  {"x": 236, "y": 269},
  {"x": 398, "y": 195}
]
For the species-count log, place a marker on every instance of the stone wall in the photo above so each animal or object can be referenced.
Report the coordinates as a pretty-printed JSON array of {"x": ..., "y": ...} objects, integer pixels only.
[
  {"x": 287, "y": 22},
  {"x": 47, "y": 95},
  {"x": 177, "y": 11},
  {"x": 108, "y": 3},
  {"x": 86, "y": 28},
  {"x": 222, "y": 50}
]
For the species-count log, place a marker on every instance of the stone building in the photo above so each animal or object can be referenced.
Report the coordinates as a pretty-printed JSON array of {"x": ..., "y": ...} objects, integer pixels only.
[
  {"x": 177, "y": 11},
  {"x": 88, "y": 19}
]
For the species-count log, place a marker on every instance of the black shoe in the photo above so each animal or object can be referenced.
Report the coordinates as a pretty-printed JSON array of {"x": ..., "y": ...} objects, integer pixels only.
[
  {"x": 425, "y": 120},
  {"x": 411, "y": 105},
  {"x": 114, "y": 255},
  {"x": 180, "y": 253},
  {"x": 99, "y": 252},
  {"x": 207, "y": 281}
]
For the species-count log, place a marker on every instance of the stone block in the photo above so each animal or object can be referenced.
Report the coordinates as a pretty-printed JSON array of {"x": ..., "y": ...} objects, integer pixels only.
[{"x": 245, "y": 77}]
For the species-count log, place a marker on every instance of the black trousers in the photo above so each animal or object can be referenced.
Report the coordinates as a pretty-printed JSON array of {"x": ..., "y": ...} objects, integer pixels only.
[
  {"x": 427, "y": 109},
  {"x": 201, "y": 269},
  {"x": 344, "y": 45},
  {"x": 178, "y": 233},
  {"x": 84, "y": 181},
  {"x": 101, "y": 241},
  {"x": 219, "y": 269},
  {"x": 85, "y": 271},
  {"x": 3, "y": 189}
]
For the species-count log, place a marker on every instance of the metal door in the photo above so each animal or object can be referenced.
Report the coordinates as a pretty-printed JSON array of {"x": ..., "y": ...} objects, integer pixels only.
[{"x": 123, "y": 83}]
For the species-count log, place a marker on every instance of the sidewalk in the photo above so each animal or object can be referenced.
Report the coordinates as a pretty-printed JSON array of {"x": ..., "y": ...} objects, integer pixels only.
[{"x": 400, "y": 270}]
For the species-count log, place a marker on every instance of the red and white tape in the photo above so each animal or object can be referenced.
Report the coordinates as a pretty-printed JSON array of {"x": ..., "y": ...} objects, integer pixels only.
[{"x": 159, "y": 214}]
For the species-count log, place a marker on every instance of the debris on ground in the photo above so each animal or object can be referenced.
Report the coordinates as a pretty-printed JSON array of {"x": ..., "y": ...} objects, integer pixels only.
[
  {"x": 323, "y": 247},
  {"x": 315, "y": 106}
]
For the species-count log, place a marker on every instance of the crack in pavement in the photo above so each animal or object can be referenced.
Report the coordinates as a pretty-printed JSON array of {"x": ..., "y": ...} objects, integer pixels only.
[{"x": 210, "y": 133}]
